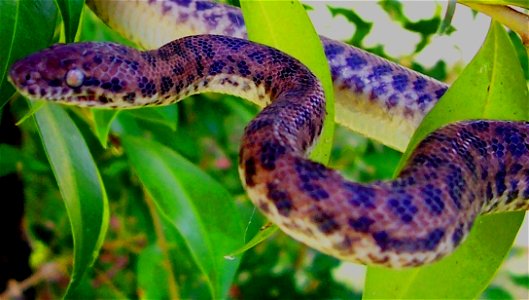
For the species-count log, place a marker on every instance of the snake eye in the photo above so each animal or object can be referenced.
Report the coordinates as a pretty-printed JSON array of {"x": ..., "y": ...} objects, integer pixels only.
[{"x": 74, "y": 78}]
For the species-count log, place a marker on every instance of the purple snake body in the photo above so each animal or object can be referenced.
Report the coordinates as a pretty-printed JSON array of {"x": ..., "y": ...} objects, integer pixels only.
[
  {"x": 373, "y": 96},
  {"x": 456, "y": 173}
]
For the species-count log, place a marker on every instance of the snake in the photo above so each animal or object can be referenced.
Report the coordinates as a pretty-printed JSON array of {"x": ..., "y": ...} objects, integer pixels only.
[{"x": 456, "y": 173}]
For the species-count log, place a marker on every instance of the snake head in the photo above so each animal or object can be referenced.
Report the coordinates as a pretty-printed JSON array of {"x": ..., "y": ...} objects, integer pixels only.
[{"x": 84, "y": 74}]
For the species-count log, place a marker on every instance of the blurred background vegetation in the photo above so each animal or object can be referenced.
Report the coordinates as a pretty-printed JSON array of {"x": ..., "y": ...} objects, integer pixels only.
[{"x": 206, "y": 131}]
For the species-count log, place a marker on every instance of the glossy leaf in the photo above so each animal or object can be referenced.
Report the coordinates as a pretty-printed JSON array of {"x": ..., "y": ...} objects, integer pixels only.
[
  {"x": 71, "y": 13},
  {"x": 285, "y": 25},
  {"x": 192, "y": 202},
  {"x": 492, "y": 86},
  {"x": 21, "y": 33},
  {"x": 79, "y": 183}
]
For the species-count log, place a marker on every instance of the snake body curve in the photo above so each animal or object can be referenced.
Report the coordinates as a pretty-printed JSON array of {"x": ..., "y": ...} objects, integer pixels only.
[
  {"x": 456, "y": 173},
  {"x": 373, "y": 96}
]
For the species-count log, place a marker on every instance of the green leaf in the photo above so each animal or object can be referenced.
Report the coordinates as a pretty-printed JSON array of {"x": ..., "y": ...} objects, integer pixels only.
[
  {"x": 197, "y": 206},
  {"x": 363, "y": 28},
  {"x": 491, "y": 86},
  {"x": 162, "y": 115},
  {"x": 150, "y": 262},
  {"x": 79, "y": 183},
  {"x": 285, "y": 25},
  {"x": 71, "y": 14},
  {"x": 102, "y": 120},
  {"x": 267, "y": 231},
  {"x": 11, "y": 157},
  {"x": 425, "y": 28},
  {"x": 23, "y": 33},
  {"x": 519, "y": 3}
]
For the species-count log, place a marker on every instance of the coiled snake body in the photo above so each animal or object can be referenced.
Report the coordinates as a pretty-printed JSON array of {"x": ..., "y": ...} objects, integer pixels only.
[{"x": 455, "y": 174}]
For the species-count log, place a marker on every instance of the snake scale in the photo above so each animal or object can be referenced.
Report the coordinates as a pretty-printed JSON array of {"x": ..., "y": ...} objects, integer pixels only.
[{"x": 456, "y": 173}]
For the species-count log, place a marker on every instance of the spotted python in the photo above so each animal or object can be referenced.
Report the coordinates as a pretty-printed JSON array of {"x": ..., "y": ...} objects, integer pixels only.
[{"x": 456, "y": 173}]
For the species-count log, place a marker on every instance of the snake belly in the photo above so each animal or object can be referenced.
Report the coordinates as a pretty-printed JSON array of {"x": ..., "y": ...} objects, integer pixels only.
[
  {"x": 373, "y": 96},
  {"x": 455, "y": 174}
]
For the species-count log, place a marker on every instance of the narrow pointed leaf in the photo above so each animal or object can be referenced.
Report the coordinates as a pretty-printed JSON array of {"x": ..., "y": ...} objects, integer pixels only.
[
  {"x": 79, "y": 183},
  {"x": 492, "y": 86}
]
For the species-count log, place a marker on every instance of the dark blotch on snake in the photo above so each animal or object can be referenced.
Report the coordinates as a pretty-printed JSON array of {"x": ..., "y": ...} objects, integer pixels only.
[
  {"x": 419, "y": 84},
  {"x": 167, "y": 84},
  {"x": 430, "y": 242},
  {"x": 360, "y": 196},
  {"x": 433, "y": 199},
  {"x": 130, "y": 97},
  {"x": 401, "y": 204},
  {"x": 281, "y": 199},
  {"x": 361, "y": 224},
  {"x": 270, "y": 152},
  {"x": 325, "y": 222},
  {"x": 315, "y": 191},
  {"x": 400, "y": 82},
  {"x": 249, "y": 171},
  {"x": 355, "y": 61}
]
